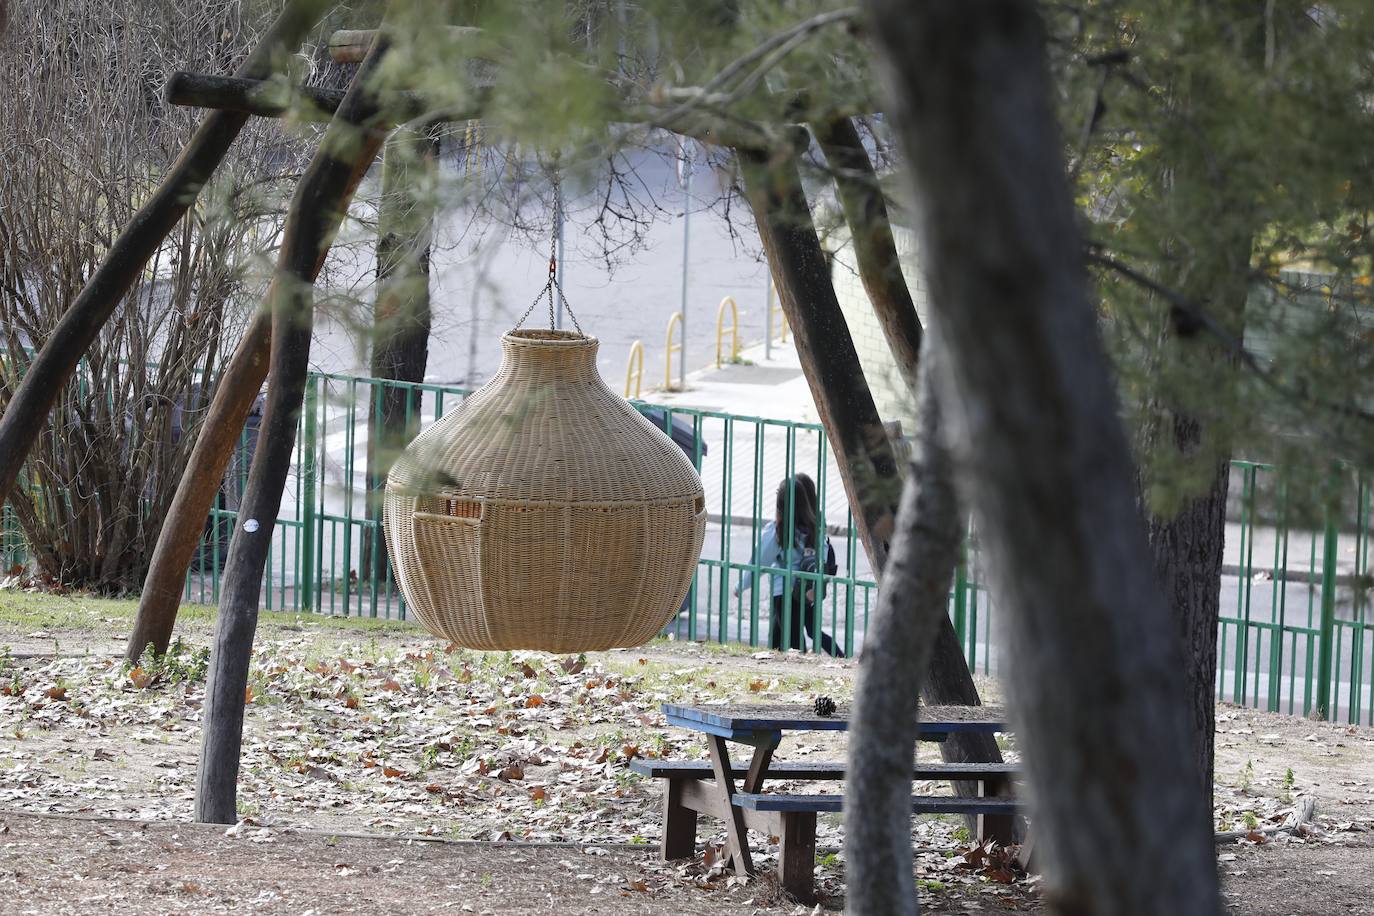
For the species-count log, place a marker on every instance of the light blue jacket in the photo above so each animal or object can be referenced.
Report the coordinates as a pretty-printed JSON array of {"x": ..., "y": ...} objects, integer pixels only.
[{"x": 769, "y": 553}]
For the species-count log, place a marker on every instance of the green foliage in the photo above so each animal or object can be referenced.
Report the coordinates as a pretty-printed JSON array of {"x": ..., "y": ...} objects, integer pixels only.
[
  {"x": 180, "y": 664},
  {"x": 1220, "y": 150}
]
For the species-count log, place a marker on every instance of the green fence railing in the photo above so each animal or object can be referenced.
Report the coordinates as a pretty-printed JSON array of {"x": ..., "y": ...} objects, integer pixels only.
[
  {"x": 328, "y": 550},
  {"x": 1294, "y": 634}
]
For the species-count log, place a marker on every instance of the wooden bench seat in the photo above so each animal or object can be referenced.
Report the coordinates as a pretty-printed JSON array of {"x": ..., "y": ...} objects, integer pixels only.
[
  {"x": 693, "y": 769},
  {"x": 690, "y": 789},
  {"x": 920, "y": 804}
]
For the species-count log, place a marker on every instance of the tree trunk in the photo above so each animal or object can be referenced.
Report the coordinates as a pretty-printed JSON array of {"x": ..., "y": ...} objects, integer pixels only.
[
  {"x": 882, "y": 736},
  {"x": 1092, "y": 662},
  {"x": 949, "y": 680},
  {"x": 184, "y": 526},
  {"x": 401, "y": 316},
  {"x": 317, "y": 209},
  {"x": 862, "y": 451},
  {"x": 880, "y": 269},
  {"x": 27, "y": 412},
  {"x": 1188, "y": 549}
]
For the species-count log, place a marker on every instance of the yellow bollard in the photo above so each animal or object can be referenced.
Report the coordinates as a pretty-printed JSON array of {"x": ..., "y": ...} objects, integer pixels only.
[
  {"x": 734, "y": 328},
  {"x": 669, "y": 348},
  {"x": 635, "y": 368}
]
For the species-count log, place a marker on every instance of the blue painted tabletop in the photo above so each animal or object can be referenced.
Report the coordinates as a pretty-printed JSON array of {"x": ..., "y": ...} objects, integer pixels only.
[{"x": 747, "y": 718}]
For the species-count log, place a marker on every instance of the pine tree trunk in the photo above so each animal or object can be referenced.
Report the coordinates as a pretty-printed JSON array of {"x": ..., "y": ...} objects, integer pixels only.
[
  {"x": 912, "y": 603},
  {"x": 1092, "y": 658},
  {"x": 1188, "y": 550},
  {"x": 401, "y": 316}
]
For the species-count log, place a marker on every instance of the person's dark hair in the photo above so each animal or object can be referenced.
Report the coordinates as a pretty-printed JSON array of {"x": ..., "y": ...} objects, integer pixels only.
[{"x": 803, "y": 489}]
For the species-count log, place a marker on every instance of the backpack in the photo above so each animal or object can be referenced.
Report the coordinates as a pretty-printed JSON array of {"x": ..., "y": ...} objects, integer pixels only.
[{"x": 808, "y": 565}]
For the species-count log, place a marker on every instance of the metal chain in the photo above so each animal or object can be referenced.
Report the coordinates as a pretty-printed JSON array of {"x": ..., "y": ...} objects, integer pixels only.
[{"x": 553, "y": 285}]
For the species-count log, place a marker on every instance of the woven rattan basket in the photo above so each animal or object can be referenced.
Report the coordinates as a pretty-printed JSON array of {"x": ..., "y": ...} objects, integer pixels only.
[{"x": 545, "y": 512}]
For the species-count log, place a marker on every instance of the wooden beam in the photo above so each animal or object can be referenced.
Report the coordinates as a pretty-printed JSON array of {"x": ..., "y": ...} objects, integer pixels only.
[
  {"x": 272, "y": 99},
  {"x": 317, "y": 209},
  {"x": 235, "y": 393},
  {"x": 268, "y": 100},
  {"x": 123, "y": 264},
  {"x": 349, "y": 46}
]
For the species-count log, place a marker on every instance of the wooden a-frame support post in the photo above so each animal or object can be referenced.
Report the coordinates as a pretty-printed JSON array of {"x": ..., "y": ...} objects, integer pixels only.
[
  {"x": 235, "y": 393},
  {"x": 317, "y": 209},
  {"x": 947, "y": 680}
]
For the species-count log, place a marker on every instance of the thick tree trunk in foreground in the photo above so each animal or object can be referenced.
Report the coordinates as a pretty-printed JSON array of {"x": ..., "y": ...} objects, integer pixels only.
[
  {"x": 123, "y": 264},
  {"x": 882, "y": 738},
  {"x": 317, "y": 209},
  {"x": 235, "y": 393},
  {"x": 862, "y": 451},
  {"x": 1091, "y": 656},
  {"x": 401, "y": 317}
]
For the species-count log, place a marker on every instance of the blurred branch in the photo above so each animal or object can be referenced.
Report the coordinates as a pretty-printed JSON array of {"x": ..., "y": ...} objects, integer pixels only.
[{"x": 1189, "y": 318}]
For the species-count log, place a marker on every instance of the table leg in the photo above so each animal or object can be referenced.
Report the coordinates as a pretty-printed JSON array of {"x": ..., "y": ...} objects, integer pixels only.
[
  {"x": 797, "y": 855},
  {"x": 734, "y": 817},
  {"x": 999, "y": 828},
  {"x": 758, "y": 767},
  {"x": 679, "y": 824}
]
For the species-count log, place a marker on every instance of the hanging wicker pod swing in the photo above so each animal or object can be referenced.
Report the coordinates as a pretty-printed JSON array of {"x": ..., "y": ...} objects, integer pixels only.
[{"x": 545, "y": 512}]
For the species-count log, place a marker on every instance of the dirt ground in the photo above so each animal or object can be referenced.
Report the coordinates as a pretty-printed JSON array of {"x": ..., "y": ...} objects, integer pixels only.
[{"x": 359, "y": 728}]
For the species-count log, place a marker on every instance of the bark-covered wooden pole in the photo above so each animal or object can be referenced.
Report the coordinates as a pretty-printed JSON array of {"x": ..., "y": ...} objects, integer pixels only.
[
  {"x": 948, "y": 679},
  {"x": 862, "y": 451},
  {"x": 867, "y": 462},
  {"x": 27, "y": 412},
  {"x": 235, "y": 393},
  {"x": 314, "y": 217},
  {"x": 912, "y": 602},
  {"x": 1092, "y": 658},
  {"x": 401, "y": 315},
  {"x": 875, "y": 250}
]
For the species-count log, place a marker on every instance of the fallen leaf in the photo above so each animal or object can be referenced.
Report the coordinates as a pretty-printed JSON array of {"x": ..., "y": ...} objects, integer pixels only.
[{"x": 533, "y": 701}]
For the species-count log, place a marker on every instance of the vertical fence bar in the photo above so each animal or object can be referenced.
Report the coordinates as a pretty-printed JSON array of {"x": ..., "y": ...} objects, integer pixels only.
[
  {"x": 306, "y": 573},
  {"x": 961, "y": 592},
  {"x": 1328, "y": 616}
]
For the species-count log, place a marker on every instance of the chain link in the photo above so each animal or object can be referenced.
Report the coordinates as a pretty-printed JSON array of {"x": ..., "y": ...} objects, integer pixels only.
[{"x": 553, "y": 285}]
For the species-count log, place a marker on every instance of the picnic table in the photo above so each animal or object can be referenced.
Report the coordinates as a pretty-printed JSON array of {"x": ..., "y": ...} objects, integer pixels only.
[{"x": 695, "y": 788}]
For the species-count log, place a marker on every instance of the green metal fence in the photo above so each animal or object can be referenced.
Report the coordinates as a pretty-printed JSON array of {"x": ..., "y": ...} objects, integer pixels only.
[
  {"x": 326, "y": 534},
  {"x": 1294, "y": 635}
]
